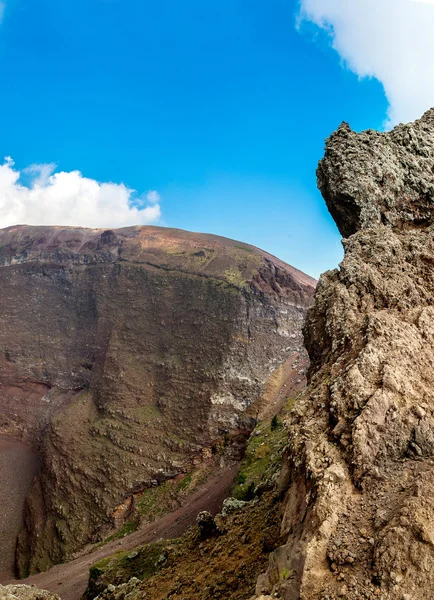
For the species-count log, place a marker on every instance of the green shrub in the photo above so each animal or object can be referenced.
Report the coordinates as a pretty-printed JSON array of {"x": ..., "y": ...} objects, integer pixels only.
[
  {"x": 275, "y": 423},
  {"x": 241, "y": 478}
]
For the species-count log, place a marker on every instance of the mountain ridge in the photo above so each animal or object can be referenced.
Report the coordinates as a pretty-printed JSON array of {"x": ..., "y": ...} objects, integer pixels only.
[{"x": 142, "y": 241}]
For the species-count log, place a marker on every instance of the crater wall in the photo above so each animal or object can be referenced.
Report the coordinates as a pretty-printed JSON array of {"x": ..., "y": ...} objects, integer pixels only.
[{"x": 123, "y": 355}]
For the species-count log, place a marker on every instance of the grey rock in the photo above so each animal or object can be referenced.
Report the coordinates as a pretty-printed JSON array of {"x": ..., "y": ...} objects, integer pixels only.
[
  {"x": 372, "y": 178},
  {"x": 231, "y": 505},
  {"x": 206, "y": 524},
  {"x": 25, "y": 592}
]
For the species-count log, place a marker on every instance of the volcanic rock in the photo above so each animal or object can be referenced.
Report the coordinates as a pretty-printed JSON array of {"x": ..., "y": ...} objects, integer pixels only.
[
  {"x": 206, "y": 525},
  {"x": 359, "y": 505},
  {"x": 25, "y": 592}
]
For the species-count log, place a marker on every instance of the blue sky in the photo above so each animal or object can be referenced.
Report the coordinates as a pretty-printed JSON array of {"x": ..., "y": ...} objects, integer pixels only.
[{"x": 222, "y": 107}]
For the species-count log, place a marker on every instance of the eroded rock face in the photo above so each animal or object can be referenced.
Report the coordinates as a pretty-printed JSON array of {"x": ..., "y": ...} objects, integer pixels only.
[
  {"x": 371, "y": 178},
  {"x": 123, "y": 355},
  {"x": 359, "y": 505}
]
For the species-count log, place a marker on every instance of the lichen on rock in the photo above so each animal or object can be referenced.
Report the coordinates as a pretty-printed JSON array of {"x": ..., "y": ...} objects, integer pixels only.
[{"x": 25, "y": 592}]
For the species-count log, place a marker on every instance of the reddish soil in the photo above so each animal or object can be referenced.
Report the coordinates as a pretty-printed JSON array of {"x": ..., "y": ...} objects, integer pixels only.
[
  {"x": 18, "y": 466},
  {"x": 69, "y": 580}
]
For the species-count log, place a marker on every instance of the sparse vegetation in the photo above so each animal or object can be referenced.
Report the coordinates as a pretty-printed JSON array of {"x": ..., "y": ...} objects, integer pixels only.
[
  {"x": 221, "y": 567},
  {"x": 149, "y": 413},
  {"x": 290, "y": 403},
  {"x": 176, "y": 568},
  {"x": 234, "y": 276},
  {"x": 241, "y": 478},
  {"x": 128, "y": 528},
  {"x": 262, "y": 459},
  {"x": 245, "y": 248},
  {"x": 275, "y": 423},
  {"x": 141, "y": 563},
  {"x": 184, "y": 483}
]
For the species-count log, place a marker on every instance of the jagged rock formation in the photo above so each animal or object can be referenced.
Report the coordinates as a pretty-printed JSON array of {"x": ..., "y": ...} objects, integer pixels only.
[
  {"x": 359, "y": 507},
  {"x": 125, "y": 355}
]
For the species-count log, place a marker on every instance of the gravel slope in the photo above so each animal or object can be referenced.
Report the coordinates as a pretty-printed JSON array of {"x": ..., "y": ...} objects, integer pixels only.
[{"x": 18, "y": 466}]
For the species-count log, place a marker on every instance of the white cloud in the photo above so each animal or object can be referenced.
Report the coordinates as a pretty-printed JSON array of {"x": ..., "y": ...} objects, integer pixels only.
[
  {"x": 154, "y": 197},
  {"x": 69, "y": 199},
  {"x": 391, "y": 40}
]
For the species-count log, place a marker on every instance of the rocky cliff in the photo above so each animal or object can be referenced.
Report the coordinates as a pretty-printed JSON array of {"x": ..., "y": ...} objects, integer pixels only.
[
  {"x": 124, "y": 356},
  {"x": 359, "y": 506}
]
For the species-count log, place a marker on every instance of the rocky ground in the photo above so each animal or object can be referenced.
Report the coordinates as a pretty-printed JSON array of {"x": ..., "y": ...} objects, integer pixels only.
[
  {"x": 174, "y": 506},
  {"x": 218, "y": 568}
]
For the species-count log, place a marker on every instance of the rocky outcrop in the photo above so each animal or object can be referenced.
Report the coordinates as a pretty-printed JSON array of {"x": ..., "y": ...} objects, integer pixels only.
[
  {"x": 372, "y": 178},
  {"x": 124, "y": 356},
  {"x": 359, "y": 476},
  {"x": 25, "y": 592}
]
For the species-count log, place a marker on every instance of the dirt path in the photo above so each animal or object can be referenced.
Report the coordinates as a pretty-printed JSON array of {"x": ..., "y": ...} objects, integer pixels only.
[
  {"x": 18, "y": 466},
  {"x": 69, "y": 580}
]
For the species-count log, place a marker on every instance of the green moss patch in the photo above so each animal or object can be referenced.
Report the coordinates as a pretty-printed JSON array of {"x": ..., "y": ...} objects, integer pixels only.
[
  {"x": 143, "y": 562},
  {"x": 263, "y": 457}
]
